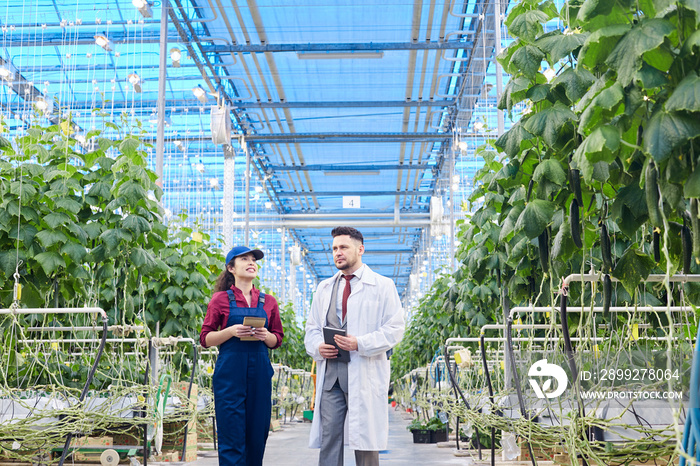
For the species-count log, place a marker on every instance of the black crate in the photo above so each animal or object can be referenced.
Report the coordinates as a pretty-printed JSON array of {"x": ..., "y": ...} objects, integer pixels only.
[
  {"x": 421, "y": 435},
  {"x": 438, "y": 436}
]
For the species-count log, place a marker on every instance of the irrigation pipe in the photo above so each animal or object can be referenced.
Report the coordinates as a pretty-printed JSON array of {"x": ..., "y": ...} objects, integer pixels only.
[{"x": 91, "y": 374}]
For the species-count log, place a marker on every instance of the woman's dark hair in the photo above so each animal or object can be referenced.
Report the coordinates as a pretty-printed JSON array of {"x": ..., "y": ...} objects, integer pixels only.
[
  {"x": 349, "y": 231},
  {"x": 226, "y": 279}
]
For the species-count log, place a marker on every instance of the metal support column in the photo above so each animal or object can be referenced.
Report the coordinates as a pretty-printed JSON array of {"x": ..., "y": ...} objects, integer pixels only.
[
  {"x": 283, "y": 293},
  {"x": 453, "y": 262},
  {"x": 247, "y": 190},
  {"x": 228, "y": 196},
  {"x": 499, "y": 71},
  {"x": 160, "y": 135}
]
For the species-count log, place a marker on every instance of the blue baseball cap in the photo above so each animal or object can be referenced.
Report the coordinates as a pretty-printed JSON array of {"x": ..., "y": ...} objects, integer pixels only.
[{"x": 240, "y": 250}]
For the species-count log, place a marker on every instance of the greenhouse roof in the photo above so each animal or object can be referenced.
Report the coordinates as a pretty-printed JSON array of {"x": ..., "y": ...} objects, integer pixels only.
[{"x": 351, "y": 111}]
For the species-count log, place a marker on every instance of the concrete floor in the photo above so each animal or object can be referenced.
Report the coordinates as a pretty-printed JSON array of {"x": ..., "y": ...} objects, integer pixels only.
[{"x": 289, "y": 447}]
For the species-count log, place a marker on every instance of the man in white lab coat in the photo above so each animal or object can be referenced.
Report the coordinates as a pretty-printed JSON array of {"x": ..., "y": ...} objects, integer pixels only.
[{"x": 351, "y": 398}]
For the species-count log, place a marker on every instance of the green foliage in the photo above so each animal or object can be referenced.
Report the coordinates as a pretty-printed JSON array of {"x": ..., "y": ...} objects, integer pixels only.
[
  {"x": 626, "y": 94},
  {"x": 292, "y": 353}
]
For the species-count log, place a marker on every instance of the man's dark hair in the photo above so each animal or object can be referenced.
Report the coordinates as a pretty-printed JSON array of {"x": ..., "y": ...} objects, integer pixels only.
[{"x": 349, "y": 231}]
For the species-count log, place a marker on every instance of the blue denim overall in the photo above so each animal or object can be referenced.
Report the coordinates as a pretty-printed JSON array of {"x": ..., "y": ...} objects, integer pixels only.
[{"x": 242, "y": 392}]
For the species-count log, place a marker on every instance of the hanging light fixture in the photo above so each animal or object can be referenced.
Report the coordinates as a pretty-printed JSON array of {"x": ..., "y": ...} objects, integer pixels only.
[
  {"x": 104, "y": 42},
  {"x": 176, "y": 56},
  {"x": 135, "y": 81},
  {"x": 200, "y": 93},
  {"x": 43, "y": 104},
  {"x": 6, "y": 72},
  {"x": 144, "y": 8}
]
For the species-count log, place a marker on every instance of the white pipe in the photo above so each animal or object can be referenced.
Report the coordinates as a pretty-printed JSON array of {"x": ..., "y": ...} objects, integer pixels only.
[
  {"x": 55, "y": 310},
  {"x": 111, "y": 328},
  {"x": 655, "y": 278},
  {"x": 645, "y": 309}
]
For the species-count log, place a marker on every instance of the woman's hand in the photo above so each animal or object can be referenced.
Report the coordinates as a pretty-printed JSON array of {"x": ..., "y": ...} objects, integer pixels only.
[{"x": 240, "y": 330}]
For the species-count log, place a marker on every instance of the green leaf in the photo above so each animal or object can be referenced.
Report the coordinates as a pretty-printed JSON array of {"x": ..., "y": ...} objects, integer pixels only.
[
  {"x": 511, "y": 141},
  {"x": 549, "y": 122},
  {"x": 56, "y": 219},
  {"x": 74, "y": 250},
  {"x": 535, "y": 218},
  {"x": 100, "y": 189},
  {"x": 528, "y": 24},
  {"x": 575, "y": 82},
  {"x": 50, "y": 261},
  {"x": 552, "y": 170},
  {"x": 602, "y": 108},
  {"x": 686, "y": 96},
  {"x": 563, "y": 245},
  {"x": 113, "y": 237},
  {"x": 626, "y": 57},
  {"x": 132, "y": 191},
  {"x": 48, "y": 238},
  {"x": 595, "y": 14},
  {"x": 191, "y": 292},
  {"x": 527, "y": 60},
  {"x": 509, "y": 223},
  {"x": 601, "y": 145},
  {"x": 515, "y": 91},
  {"x": 558, "y": 45},
  {"x": 600, "y": 43},
  {"x": 691, "y": 188},
  {"x": 137, "y": 224},
  {"x": 129, "y": 146},
  {"x": 667, "y": 131},
  {"x": 69, "y": 204},
  {"x": 173, "y": 293},
  {"x": 632, "y": 268}
]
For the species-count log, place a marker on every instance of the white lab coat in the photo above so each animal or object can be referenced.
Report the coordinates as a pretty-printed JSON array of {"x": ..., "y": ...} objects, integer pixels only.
[{"x": 375, "y": 317}]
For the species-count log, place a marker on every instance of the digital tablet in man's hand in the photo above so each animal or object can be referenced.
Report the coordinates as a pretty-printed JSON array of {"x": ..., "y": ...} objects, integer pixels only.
[{"x": 328, "y": 334}]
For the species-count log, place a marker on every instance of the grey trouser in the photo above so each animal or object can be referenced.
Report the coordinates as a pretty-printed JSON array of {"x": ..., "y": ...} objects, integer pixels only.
[{"x": 334, "y": 408}]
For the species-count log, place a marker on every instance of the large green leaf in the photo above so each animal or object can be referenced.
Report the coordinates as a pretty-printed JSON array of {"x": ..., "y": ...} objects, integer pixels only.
[
  {"x": 601, "y": 108},
  {"x": 626, "y": 57},
  {"x": 100, "y": 189},
  {"x": 528, "y": 24},
  {"x": 137, "y": 224},
  {"x": 74, "y": 250},
  {"x": 129, "y": 146},
  {"x": 114, "y": 236},
  {"x": 550, "y": 169},
  {"x": 686, "y": 96},
  {"x": 549, "y": 122},
  {"x": 558, "y": 45},
  {"x": 132, "y": 191},
  {"x": 691, "y": 188},
  {"x": 601, "y": 145},
  {"x": 535, "y": 218},
  {"x": 595, "y": 14},
  {"x": 511, "y": 141},
  {"x": 667, "y": 131},
  {"x": 48, "y": 238},
  {"x": 575, "y": 82},
  {"x": 515, "y": 91},
  {"x": 69, "y": 204},
  {"x": 527, "y": 60},
  {"x": 50, "y": 261},
  {"x": 173, "y": 293},
  {"x": 78, "y": 233},
  {"x": 56, "y": 219},
  {"x": 632, "y": 268},
  {"x": 508, "y": 226},
  {"x": 600, "y": 43}
]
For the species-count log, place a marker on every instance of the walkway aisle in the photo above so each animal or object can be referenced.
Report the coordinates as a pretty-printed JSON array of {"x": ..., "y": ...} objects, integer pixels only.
[{"x": 288, "y": 447}]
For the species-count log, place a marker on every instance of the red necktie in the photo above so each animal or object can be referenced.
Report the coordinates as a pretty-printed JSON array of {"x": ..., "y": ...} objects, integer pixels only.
[{"x": 346, "y": 293}]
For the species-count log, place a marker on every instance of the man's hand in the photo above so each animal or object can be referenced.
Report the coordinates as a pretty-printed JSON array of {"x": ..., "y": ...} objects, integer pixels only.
[
  {"x": 328, "y": 351},
  {"x": 348, "y": 343}
]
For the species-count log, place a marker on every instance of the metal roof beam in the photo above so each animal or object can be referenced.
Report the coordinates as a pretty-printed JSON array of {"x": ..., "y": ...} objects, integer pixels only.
[
  {"x": 347, "y": 104},
  {"x": 372, "y": 252},
  {"x": 343, "y": 168},
  {"x": 306, "y": 224},
  {"x": 59, "y": 39},
  {"x": 347, "y": 137},
  {"x": 338, "y": 47},
  {"x": 287, "y": 194}
]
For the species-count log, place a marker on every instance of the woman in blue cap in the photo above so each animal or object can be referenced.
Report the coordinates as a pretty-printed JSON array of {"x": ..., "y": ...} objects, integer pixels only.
[{"x": 243, "y": 375}]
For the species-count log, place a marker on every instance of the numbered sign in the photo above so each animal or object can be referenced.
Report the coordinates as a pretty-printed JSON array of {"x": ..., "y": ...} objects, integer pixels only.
[{"x": 351, "y": 202}]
